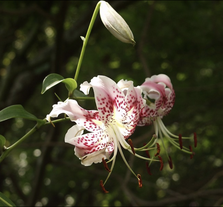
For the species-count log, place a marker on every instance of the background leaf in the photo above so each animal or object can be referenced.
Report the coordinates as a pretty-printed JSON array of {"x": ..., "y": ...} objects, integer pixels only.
[
  {"x": 16, "y": 111},
  {"x": 5, "y": 201}
]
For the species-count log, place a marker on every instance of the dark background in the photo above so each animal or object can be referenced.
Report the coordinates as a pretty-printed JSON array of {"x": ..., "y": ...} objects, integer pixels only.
[{"x": 182, "y": 39}]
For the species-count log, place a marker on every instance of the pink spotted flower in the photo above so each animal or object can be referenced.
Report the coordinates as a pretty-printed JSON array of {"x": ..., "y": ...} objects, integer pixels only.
[
  {"x": 118, "y": 113},
  {"x": 159, "y": 95}
]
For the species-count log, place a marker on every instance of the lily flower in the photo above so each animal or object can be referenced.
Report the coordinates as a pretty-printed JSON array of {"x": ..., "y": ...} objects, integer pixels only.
[
  {"x": 160, "y": 96},
  {"x": 117, "y": 115}
]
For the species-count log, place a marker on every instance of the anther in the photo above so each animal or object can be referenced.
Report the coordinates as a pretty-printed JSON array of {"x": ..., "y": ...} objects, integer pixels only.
[
  {"x": 158, "y": 149},
  {"x": 180, "y": 141},
  {"x": 105, "y": 165},
  {"x": 148, "y": 168},
  {"x": 191, "y": 156},
  {"x": 195, "y": 139},
  {"x": 161, "y": 162},
  {"x": 131, "y": 145},
  {"x": 103, "y": 187},
  {"x": 139, "y": 180},
  {"x": 147, "y": 152},
  {"x": 170, "y": 162}
]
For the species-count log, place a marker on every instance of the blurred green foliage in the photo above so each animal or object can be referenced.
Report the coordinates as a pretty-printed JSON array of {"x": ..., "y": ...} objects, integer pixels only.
[{"x": 182, "y": 39}]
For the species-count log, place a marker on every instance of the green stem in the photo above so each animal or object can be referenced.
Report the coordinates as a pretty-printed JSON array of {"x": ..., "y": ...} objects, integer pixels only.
[
  {"x": 86, "y": 39},
  {"x": 7, "y": 150}
]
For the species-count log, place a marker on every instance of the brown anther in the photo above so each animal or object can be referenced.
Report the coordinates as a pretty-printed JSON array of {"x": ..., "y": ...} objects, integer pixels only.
[
  {"x": 105, "y": 165},
  {"x": 170, "y": 162},
  {"x": 147, "y": 152},
  {"x": 180, "y": 141},
  {"x": 191, "y": 156},
  {"x": 131, "y": 145},
  {"x": 148, "y": 168},
  {"x": 195, "y": 139},
  {"x": 161, "y": 162},
  {"x": 103, "y": 187},
  {"x": 139, "y": 180},
  {"x": 158, "y": 149}
]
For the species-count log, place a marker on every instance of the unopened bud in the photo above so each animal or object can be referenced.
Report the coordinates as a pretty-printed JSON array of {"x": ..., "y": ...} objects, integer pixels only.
[{"x": 115, "y": 23}]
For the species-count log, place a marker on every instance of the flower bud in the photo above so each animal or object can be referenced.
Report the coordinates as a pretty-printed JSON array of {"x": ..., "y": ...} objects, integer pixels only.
[{"x": 115, "y": 23}]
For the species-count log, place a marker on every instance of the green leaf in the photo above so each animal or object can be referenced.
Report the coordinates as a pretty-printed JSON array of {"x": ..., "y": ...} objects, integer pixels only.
[
  {"x": 50, "y": 81},
  {"x": 16, "y": 111},
  {"x": 53, "y": 79},
  {"x": 70, "y": 83},
  {"x": 2, "y": 142},
  {"x": 5, "y": 201}
]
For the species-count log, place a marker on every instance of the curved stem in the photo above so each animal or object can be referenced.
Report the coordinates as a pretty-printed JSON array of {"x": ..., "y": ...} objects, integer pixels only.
[
  {"x": 7, "y": 150},
  {"x": 85, "y": 40}
]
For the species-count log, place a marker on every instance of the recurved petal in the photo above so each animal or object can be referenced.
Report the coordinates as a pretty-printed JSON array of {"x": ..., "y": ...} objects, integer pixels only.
[
  {"x": 85, "y": 87},
  {"x": 82, "y": 117},
  {"x": 87, "y": 158},
  {"x": 74, "y": 131}
]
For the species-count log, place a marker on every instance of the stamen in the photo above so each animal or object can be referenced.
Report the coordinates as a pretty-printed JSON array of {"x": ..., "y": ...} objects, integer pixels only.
[
  {"x": 148, "y": 168},
  {"x": 158, "y": 149},
  {"x": 139, "y": 180},
  {"x": 191, "y": 156},
  {"x": 131, "y": 145},
  {"x": 170, "y": 162},
  {"x": 52, "y": 123},
  {"x": 103, "y": 187},
  {"x": 195, "y": 139},
  {"x": 161, "y": 162},
  {"x": 147, "y": 152},
  {"x": 180, "y": 141},
  {"x": 105, "y": 165}
]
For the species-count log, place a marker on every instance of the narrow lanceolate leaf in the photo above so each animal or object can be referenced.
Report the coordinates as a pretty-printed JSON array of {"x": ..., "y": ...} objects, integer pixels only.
[
  {"x": 53, "y": 79},
  {"x": 5, "y": 201},
  {"x": 16, "y": 111}
]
